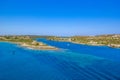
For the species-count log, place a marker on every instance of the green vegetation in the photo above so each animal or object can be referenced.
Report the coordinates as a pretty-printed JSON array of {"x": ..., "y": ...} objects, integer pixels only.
[
  {"x": 105, "y": 40},
  {"x": 16, "y": 39}
]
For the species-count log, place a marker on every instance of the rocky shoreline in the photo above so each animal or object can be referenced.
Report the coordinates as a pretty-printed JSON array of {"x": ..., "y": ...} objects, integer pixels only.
[
  {"x": 110, "y": 45},
  {"x": 27, "y": 42},
  {"x": 100, "y": 40},
  {"x": 40, "y": 47}
]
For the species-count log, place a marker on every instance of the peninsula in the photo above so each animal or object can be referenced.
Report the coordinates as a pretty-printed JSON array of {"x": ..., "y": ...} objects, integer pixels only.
[
  {"x": 27, "y": 41},
  {"x": 112, "y": 40}
]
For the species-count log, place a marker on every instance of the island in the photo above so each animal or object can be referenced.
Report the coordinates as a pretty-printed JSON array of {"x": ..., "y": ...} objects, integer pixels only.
[
  {"x": 111, "y": 40},
  {"x": 27, "y": 41}
]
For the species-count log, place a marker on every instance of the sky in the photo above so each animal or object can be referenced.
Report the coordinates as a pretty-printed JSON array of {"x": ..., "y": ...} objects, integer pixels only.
[{"x": 59, "y": 17}]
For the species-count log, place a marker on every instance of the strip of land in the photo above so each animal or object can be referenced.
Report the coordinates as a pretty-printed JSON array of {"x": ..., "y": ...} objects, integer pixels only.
[
  {"x": 100, "y": 40},
  {"x": 27, "y": 41},
  {"x": 112, "y": 40}
]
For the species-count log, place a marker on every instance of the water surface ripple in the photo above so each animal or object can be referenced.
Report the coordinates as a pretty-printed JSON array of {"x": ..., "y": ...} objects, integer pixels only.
[{"x": 66, "y": 64}]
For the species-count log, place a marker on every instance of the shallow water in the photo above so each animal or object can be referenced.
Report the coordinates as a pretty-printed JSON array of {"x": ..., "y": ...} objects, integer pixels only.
[{"x": 69, "y": 63}]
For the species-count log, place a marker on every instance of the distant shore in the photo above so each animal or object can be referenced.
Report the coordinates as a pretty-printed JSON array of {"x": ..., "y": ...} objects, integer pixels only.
[
  {"x": 100, "y": 40},
  {"x": 112, "y": 45},
  {"x": 93, "y": 44}
]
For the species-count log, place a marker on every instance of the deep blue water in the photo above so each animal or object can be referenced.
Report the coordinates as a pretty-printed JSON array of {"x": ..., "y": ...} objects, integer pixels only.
[
  {"x": 71, "y": 62},
  {"x": 100, "y": 51}
]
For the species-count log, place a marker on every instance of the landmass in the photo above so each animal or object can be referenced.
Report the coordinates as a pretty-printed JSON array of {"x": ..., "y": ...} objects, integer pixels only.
[
  {"x": 112, "y": 40},
  {"x": 27, "y": 41}
]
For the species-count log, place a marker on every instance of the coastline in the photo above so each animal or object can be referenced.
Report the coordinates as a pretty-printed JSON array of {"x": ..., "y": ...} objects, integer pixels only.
[
  {"x": 39, "y": 47},
  {"x": 110, "y": 45},
  {"x": 112, "y": 40},
  {"x": 92, "y": 44}
]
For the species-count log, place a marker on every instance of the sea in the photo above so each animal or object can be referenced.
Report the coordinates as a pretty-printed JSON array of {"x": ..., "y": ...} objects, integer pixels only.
[{"x": 70, "y": 62}]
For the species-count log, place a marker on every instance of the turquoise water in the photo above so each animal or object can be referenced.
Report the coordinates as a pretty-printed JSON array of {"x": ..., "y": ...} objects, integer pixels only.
[{"x": 74, "y": 62}]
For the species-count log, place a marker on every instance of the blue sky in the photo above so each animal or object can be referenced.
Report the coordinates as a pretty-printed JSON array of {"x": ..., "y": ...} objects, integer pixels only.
[{"x": 59, "y": 17}]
